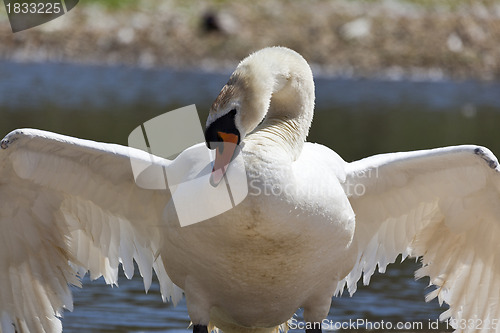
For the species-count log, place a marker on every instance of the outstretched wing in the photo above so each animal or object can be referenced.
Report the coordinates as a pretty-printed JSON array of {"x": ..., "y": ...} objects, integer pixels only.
[
  {"x": 68, "y": 206},
  {"x": 443, "y": 205}
]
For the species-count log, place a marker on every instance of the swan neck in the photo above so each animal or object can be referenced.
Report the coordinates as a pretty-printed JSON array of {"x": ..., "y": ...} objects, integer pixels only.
[{"x": 285, "y": 95}]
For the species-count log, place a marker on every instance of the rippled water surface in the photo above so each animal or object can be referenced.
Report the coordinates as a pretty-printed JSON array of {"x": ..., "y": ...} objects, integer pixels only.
[{"x": 357, "y": 118}]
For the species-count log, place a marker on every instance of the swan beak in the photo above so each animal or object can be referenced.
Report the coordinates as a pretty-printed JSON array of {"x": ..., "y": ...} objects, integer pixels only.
[{"x": 223, "y": 155}]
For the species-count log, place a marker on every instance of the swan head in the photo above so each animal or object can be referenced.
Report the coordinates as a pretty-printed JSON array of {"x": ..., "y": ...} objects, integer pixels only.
[
  {"x": 231, "y": 117},
  {"x": 273, "y": 86},
  {"x": 224, "y": 136}
]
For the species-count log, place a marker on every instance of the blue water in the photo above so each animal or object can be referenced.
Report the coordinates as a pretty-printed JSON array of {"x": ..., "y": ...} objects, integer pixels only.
[
  {"x": 393, "y": 297},
  {"x": 99, "y": 87}
]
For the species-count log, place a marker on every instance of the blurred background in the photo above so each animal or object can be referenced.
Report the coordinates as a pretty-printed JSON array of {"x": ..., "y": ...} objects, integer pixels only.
[{"x": 390, "y": 76}]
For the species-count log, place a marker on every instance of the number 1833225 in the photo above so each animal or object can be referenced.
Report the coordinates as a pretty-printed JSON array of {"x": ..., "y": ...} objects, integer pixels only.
[{"x": 33, "y": 7}]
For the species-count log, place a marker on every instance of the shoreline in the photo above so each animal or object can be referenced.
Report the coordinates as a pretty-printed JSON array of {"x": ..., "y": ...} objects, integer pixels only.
[{"x": 397, "y": 40}]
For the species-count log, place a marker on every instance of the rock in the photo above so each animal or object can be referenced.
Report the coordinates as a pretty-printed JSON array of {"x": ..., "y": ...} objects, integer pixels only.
[
  {"x": 454, "y": 43},
  {"x": 126, "y": 35},
  {"x": 358, "y": 29}
]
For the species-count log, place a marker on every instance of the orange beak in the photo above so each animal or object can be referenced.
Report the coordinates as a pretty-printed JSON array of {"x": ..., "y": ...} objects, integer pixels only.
[{"x": 223, "y": 155}]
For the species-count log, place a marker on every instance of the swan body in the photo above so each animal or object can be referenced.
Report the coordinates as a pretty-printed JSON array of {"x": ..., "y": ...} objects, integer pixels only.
[
  {"x": 311, "y": 224},
  {"x": 261, "y": 251}
]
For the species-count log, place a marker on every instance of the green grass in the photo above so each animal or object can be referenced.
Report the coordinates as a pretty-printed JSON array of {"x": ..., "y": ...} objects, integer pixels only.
[
  {"x": 111, "y": 4},
  {"x": 450, "y": 4}
]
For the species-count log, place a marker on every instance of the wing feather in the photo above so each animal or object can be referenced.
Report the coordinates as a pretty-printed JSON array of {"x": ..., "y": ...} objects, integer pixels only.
[
  {"x": 442, "y": 205},
  {"x": 70, "y": 206}
]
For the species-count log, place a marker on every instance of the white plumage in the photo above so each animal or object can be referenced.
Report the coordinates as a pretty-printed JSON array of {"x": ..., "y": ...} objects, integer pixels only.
[
  {"x": 443, "y": 205},
  {"x": 68, "y": 206}
]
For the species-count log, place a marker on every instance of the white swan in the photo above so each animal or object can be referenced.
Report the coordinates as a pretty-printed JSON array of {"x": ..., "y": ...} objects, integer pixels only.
[{"x": 310, "y": 225}]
